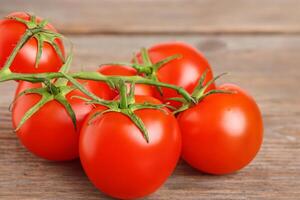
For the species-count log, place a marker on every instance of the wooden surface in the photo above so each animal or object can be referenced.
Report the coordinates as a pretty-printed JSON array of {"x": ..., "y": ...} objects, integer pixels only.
[
  {"x": 258, "y": 42},
  {"x": 165, "y": 16}
]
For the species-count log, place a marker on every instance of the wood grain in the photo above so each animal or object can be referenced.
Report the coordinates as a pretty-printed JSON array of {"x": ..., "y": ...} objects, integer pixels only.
[
  {"x": 164, "y": 16},
  {"x": 266, "y": 66}
]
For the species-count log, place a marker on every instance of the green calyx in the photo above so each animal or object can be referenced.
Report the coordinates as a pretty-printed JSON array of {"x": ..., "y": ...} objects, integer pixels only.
[
  {"x": 146, "y": 67},
  {"x": 125, "y": 105},
  {"x": 199, "y": 93},
  {"x": 47, "y": 94},
  {"x": 47, "y": 37},
  {"x": 50, "y": 90},
  {"x": 38, "y": 31},
  {"x": 150, "y": 69}
]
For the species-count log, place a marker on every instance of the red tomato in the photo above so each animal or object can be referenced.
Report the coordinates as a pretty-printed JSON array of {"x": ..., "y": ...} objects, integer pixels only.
[
  {"x": 10, "y": 33},
  {"x": 222, "y": 133},
  {"x": 117, "y": 158},
  {"x": 102, "y": 90},
  {"x": 184, "y": 72},
  {"x": 49, "y": 133}
]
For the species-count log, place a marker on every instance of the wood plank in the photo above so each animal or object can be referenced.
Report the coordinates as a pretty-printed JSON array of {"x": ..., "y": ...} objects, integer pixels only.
[
  {"x": 163, "y": 16},
  {"x": 267, "y": 66}
]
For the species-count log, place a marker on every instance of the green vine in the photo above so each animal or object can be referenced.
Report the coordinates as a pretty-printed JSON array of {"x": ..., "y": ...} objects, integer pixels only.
[{"x": 55, "y": 87}]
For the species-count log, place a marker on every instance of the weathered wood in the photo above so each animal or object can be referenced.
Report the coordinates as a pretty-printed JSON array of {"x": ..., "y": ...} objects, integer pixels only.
[
  {"x": 163, "y": 16},
  {"x": 267, "y": 66}
]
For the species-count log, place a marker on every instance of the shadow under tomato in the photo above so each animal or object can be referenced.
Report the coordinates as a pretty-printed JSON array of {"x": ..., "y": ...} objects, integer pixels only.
[{"x": 185, "y": 169}]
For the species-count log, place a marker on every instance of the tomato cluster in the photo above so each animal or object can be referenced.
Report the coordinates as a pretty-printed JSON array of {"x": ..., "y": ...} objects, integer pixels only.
[{"x": 129, "y": 147}]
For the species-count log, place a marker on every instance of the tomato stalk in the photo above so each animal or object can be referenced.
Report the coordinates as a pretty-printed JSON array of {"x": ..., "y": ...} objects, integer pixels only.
[
  {"x": 26, "y": 36},
  {"x": 123, "y": 95},
  {"x": 125, "y": 105},
  {"x": 40, "y": 77}
]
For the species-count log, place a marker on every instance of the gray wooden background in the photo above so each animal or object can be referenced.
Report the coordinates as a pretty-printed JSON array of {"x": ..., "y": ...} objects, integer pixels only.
[{"x": 257, "y": 41}]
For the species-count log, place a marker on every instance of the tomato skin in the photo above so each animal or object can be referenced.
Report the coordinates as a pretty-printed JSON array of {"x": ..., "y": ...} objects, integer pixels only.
[
  {"x": 119, "y": 161},
  {"x": 184, "y": 72},
  {"x": 222, "y": 133},
  {"x": 11, "y": 32},
  {"x": 102, "y": 90},
  {"x": 49, "y": 133},
  {"x": 98, "y": 88}
]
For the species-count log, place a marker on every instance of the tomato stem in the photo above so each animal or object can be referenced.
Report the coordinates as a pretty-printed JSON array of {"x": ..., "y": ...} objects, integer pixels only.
[
  {"x": 123, "y": 95},
  {"x": 199, "y": 93},
  {"x": 147, "y": 68},
  {"x": 28, "y": 33},
  {"x": 40, "y": 77}
]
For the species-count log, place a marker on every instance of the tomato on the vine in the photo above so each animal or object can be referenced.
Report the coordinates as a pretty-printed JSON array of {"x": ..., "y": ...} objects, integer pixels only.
[
  {"x": 11, "y": 32},
  {"x": 223, "y": 132},
  {"x": 184, "y": 71},
  {"x": 49, "y": 133},
  {"x": 117, "y": 158}
]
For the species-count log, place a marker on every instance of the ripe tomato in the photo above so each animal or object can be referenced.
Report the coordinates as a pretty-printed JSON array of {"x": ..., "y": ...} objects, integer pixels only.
[
  {"x": 10, "y": 33},
  {"x": 117, "y": 158},
  {"x": 102, "y": 90},
  {"x": 222, "y": 133},
  {"x": 184, "y": 72},
  {"x": 49, "y": 133}
]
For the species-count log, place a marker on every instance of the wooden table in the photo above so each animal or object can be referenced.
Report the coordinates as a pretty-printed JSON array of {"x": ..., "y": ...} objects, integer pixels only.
[{"x": 257, "y": 41}]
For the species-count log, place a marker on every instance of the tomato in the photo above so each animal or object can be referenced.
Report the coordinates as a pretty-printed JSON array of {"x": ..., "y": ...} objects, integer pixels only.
[
  {"x": 117, "y": 158},
  {"x": 49, "y": 133},
  {"x": 10, "y": 33},
  {"x": 222, "y": 133},
  {"x": 184, "y": 72},
  {"x": 102, "y": 90}
]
